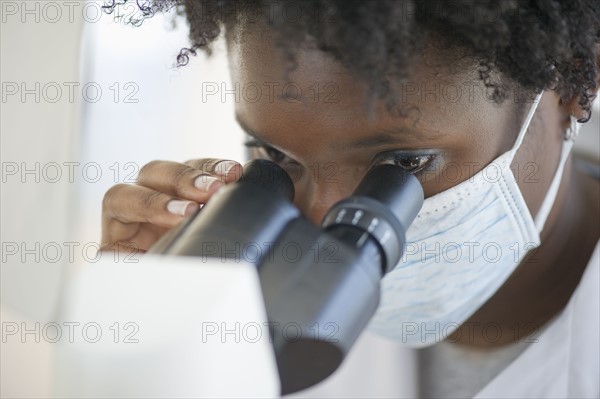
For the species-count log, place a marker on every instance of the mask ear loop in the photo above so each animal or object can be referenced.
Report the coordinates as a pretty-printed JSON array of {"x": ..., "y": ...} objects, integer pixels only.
[
  {"x": 570, "y": 136},
  {"x": 527, "y": 121}
]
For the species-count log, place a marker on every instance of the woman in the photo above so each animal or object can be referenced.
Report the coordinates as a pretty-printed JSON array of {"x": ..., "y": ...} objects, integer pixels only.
[{"x": 479, "y": 101}]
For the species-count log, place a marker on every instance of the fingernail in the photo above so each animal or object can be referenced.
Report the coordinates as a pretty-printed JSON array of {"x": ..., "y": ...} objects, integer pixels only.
[
  {"x": 206, "y": 182},
  {"x": 191, "y": 209},
  {"x": 224, "y": 167},
  {"x": 181, "y": 208}
]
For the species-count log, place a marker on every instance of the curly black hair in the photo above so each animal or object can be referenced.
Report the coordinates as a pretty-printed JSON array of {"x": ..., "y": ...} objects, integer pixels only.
[{"x": 539, "y": 44}]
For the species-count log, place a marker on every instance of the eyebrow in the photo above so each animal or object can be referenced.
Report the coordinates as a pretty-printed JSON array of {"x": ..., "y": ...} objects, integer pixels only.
[
  {"x": 398, "y": 135},
  {"x": 251, "y": 132}
]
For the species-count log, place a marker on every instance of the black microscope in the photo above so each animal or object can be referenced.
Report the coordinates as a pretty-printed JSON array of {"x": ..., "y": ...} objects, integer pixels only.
[{"x": 321, "y": 284}]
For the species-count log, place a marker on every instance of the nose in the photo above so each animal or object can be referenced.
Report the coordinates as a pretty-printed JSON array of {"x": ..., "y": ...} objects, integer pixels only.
[
  {"x": 316, "y": 199},
  {"x": 316, "y": 212}
]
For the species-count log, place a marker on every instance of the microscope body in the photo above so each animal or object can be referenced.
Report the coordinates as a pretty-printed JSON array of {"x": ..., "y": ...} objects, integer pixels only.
[{"x": 320, "y": 283}]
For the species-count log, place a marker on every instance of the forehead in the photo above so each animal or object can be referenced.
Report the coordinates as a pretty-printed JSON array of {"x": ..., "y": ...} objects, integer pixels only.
[
  {"x": 442, "y": 94},
  {"x": 254, "y": 52}
]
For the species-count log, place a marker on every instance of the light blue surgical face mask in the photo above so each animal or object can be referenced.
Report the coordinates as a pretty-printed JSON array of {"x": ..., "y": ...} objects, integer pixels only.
[{"x": 463, "y": 245}]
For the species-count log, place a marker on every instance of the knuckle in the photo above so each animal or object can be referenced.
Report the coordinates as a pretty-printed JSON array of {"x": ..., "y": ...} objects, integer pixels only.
[
  {"x": 192, "y": 162},
  {"x": 147, "y": 169},
  {"x": 111, "y": 196},
  {"x": 211, "y": 165},
  {"x": 205, "y": 164},
  {"x": 181, "y": 179},
  {"x": 151, "y": 199}
]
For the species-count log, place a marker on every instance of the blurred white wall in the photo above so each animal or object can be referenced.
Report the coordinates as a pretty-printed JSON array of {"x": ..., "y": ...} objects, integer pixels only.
[{"x": 39, "y": 53}]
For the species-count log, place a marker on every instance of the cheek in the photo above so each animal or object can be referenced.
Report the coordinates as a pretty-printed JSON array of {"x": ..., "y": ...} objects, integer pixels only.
[
  {"x": 538, "y": 157},
  {"x": 466, "y": 152},
  {"x": 456, "y": 164}
]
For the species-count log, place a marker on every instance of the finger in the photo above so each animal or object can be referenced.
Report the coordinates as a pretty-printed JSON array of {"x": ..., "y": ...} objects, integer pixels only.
[
  {"x": 135, "y": 235},
  {"x": 179, "y": 180},
  {"x": 228, "y": 170},
  {"x": 127, "y": 250},
  {"x": 132, "y": 203}
]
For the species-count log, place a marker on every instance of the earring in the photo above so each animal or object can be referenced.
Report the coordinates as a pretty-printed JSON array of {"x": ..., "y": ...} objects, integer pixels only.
[{"x": 573, "y": 130}]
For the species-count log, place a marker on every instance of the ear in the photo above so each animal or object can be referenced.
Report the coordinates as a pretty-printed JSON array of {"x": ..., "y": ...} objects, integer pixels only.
[{"x": 572, "y": 107}]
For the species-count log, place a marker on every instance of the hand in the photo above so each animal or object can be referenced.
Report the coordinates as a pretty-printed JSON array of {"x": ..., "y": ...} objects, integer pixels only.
[{"x": 135, "y": 216}]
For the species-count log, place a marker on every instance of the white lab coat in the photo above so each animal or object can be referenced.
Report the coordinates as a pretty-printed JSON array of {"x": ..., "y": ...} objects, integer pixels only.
[{"x": 564, "y": 362}]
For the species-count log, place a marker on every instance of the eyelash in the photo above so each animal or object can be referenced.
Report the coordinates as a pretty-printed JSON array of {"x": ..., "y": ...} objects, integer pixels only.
[
  {"x": 405, "y": 161},
  {"x": 269, "y": 152}
]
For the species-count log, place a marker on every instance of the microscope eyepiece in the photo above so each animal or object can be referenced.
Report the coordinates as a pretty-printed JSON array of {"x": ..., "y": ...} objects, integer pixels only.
[
  {"x": 383, "y": 205},
  {"x": 268, "y": 176}
]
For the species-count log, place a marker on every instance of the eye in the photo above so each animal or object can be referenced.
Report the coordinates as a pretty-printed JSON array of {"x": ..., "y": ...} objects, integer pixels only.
[
  {"x": 411, "y": 163},
  {"x": 259, "y": 149}
]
